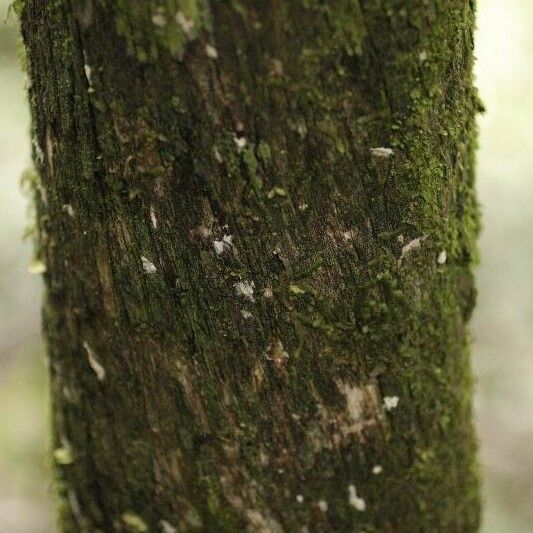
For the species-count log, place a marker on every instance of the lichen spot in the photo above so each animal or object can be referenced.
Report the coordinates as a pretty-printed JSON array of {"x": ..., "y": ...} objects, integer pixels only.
[
  {"x": 148, "y": 266},
  {"x": 223, "y": 245},
  {"x": 240, "y": 142},
  {"x": 390, "y": 402},
  {"x": 167, "y": 527},
  {"x": 68, "y": 209},
  {"x": 354, "y": 500},
  {"x": 349, "y": 235},
  {"x": 88, "y": 74},
  {"x": 323, "y": 506},
  {"x": 186, "y": 24},
  {"x": 296, "y": 290},
  {"x": 268, "y": 293},
  {"x": 37, "y": 266},
  {"x": 381, "y": 152},
  {"x": 245, "y": 289},
  {"x": 211, "y": 51},
  {"x": 134, "y": 522},
  {"x": 98, "y": 369},
  {"x": 355, "y": 400},
  {"x": 277, "y": 70},
  {"x": 63, "y": 456},
  {"x": 413, "y": 245},
  {"x": 153, "y": 217},
  {"x": 159, "y": 20},
  {"x": 246, "y": 314},
  {"x": 276, "y": 191},
  {"x": 218, "y": 155},
  {"x": 219, "y": 247}
]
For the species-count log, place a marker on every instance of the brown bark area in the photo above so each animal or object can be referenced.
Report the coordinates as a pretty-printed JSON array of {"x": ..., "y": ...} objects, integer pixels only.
[{"x": 258, "y": 223}]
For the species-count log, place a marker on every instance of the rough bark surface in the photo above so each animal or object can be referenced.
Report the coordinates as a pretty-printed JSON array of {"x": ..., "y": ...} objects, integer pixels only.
[{"x": 258, "y": 224}]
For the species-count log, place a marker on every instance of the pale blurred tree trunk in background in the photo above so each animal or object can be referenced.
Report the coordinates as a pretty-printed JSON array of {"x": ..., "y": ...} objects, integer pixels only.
[{"x": 258, "y": 224}]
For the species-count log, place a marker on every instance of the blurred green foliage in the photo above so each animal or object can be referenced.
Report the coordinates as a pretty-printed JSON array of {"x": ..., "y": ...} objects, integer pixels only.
[{"x": 25, "y": 496}]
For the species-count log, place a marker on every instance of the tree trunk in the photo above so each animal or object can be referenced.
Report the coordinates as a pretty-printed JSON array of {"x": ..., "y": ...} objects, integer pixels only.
[{"x": 258, "y": 223}]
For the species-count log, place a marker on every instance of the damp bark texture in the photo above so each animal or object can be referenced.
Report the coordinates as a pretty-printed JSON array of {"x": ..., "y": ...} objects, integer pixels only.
[{"x": 258, "y": 223}]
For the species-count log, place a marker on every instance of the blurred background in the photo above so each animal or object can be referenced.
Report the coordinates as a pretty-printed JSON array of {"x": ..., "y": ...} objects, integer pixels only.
[{"x": 503, "y": 323}]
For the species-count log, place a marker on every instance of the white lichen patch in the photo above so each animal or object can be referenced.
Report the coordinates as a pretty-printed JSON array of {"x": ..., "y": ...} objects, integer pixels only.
[
  {"x": 354, "y": 400},
  {"x": 363, "y": 410},
  {"x": 211, "y": 51},
  {"x": 75, "y": 505},
  {"x": 63, "y": 456},
  {"x": 276, "y": 191},
  {"x": 349, "y": 235},
  {"x": 223, "y": 245},
  {"x": 148, "y": 266},
  {"x": 262, "y": 523},
  {"x": 263, "y": 457},
  {"x": 167, "y": 527},
  {"x": 159, "y": 20},
  {"x": 302, "y": 130},
  {"x": 268, "y": 292},
  {"x": 246, "y": 314},
  {"x": 153, "y": 217},
  {"x": 354, "y": 500},
  {"x": 68, "y": 209},
  {"x": 192, "y": 519},
  {"x": 413, "y": 245},
  {"x": 240, "y": 142},
  {"x": 186, "y": 24},
  {"x": 134, "y": 522},
  {"x": 49, "y": 143},
  {"x": 37, "y": 266},
  {"x": 377, "y": 470},
  {"x": 276, "y": 68},
  {"x": 39, "y": 155},
  {"x": 98, "y": 369},
  {"x": 245, "y": 289},
  {"x": 219, "y": 247},
  {"x": 88, "y": 74},
  {"x": 323, "y": 506},
  {"x": 390, "y": 402},
  {"x": 442, "y": 257},
  {"x": 296, "y": 290},
  {"x": 217, "y": 154},
  {"x": 382, "y": 152}
]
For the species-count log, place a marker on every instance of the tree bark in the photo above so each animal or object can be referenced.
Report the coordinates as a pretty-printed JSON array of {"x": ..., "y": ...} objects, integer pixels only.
[{"x": 258, "y": 224}]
